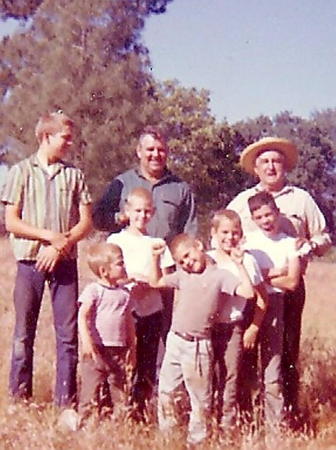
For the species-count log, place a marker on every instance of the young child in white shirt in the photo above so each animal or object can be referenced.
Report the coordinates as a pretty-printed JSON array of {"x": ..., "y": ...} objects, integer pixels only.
[
  {"x": 278, "y": 259},
  {"x": 229, "y": 337},
  {"x": 137, "y": 250}
]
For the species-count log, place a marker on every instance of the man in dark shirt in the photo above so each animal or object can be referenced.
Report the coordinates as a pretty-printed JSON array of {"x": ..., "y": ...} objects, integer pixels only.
[{"x": 174, "y": 202}]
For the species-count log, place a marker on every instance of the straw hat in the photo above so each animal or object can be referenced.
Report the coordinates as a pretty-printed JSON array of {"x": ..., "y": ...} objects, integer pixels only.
[{"x": 284, "y": 146}]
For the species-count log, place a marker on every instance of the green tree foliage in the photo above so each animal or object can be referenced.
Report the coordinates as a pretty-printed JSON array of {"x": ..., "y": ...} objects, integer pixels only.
[
  {"x": 201, "y": 150},
  {"x": 86, "y": 58}
]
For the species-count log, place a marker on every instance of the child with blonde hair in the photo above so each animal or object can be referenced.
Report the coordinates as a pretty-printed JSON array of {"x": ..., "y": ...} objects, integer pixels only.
[
  {"x": 137, "y": 249},
  {"x": 106, "y": 329},
  {"x": 229, "y": 337}
]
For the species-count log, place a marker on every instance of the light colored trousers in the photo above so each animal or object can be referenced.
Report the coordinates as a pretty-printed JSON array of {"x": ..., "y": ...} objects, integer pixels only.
[
  {"x": 227, "y": 340},
  {"x": 191, "y": 363}
]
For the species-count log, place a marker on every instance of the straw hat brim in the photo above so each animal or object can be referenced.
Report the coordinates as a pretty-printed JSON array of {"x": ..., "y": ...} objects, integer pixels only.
[{"x": 252, "y": 151}]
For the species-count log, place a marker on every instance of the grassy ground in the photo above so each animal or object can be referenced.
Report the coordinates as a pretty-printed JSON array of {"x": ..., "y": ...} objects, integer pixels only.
[{"x": 35, "y": 426}]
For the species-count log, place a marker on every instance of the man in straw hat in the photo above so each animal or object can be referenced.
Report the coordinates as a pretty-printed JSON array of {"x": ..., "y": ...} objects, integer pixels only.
[{"x": 269, "y": 159}]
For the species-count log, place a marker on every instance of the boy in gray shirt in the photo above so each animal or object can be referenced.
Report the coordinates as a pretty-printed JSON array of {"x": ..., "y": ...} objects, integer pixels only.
[{"x": 188, "y": 356}]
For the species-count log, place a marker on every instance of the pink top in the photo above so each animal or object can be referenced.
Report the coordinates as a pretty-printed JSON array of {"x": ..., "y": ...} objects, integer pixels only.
[
  {"x": 111, "y": 309},
  {"x": 198, "y": 298}
]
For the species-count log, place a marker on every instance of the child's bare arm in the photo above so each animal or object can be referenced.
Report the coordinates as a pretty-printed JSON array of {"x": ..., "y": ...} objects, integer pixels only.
[
  {"x": 251, "y": 333},
  {"x": 274, "y": 272},
  {"x": 88, "y": 347},
  {"x": 155, "y": 279},
  {"x": 245, "y": 288},
  {"x": 290, "y": 280}
]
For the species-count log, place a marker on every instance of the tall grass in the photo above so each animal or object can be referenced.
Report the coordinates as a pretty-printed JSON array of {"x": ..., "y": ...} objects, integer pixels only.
[{"x": 35, "y": 425}]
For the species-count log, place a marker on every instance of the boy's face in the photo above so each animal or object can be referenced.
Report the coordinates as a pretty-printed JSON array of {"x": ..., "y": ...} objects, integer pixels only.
[
  {"x": 59, "y": 143},
  {"x": 228, "y": 234},
  {"x": 267, "y": 218},
  {"x": 139, "y": 211},
  {"x": 191, "y": 257},
  {"x": 116, "y": 269}
]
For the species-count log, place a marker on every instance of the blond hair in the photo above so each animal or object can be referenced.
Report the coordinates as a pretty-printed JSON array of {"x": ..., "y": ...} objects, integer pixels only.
[
  {"x": 228, "y": 214},
  {"x": 52, "y": 123},
  {"x": 101, "y": 255},
  {"x": 139, "y": 192}
]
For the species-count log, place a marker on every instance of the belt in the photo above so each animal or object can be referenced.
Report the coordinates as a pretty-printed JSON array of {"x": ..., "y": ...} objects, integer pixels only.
[{"x": 188, "y": 337}]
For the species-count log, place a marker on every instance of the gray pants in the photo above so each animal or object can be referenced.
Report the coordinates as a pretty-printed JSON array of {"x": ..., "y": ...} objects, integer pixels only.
[
  {"x": 191, "y": 363},
  {"x": 227, "y": 340}
]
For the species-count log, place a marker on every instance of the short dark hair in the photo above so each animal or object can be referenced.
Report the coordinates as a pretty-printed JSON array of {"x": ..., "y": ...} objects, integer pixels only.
[
  {"x": 182, "y": 239},
  {"x": 155, "y": 131},
  {"x": 260, "y": 199}
]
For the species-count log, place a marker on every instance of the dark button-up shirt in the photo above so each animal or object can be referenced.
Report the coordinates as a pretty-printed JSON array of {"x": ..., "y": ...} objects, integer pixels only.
[{"x": 173, "y": 199}]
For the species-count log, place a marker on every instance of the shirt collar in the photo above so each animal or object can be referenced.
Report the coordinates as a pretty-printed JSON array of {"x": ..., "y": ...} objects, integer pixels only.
[
  {"x": 287, "y": 188},
  {"x": 166, "y": 174},
  {"x": 57, "y": 166}
]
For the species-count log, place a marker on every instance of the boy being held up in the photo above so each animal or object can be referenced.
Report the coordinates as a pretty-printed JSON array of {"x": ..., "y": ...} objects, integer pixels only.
[
  {"x": 188, "y": 356},
  {"x": 228, "y": 336},
  {"x": 277, "y": 257},
  {"x": 106, "y": 328}
]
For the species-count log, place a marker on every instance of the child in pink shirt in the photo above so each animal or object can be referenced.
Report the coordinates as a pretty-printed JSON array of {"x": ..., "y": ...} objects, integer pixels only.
[{"x": 106, "y": 328}]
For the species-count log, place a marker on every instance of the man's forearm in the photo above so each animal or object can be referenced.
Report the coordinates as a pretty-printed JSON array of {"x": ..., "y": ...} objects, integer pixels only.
[
  {"x": 82, "y": 228},
  {"x": 105, "y": 210},
  {"x": 20, "y": 228}
]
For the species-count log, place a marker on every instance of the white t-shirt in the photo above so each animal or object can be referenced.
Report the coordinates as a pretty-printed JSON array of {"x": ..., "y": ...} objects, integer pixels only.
[
  {"x": 137, "y": 252},
  {"x": 271, "y": 252},
  {"x": 232, "y": 307}
]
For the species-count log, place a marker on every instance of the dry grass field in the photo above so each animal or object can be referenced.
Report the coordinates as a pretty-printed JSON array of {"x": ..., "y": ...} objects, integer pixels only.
[{"x": 34, "y": 426}]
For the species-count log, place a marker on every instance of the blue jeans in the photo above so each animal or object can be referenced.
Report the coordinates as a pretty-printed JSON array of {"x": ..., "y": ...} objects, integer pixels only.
[{"x": 28, "y": 293}]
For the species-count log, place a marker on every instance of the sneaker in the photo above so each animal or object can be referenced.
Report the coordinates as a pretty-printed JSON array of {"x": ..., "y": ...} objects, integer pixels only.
[{"x": 69, "y": 420}]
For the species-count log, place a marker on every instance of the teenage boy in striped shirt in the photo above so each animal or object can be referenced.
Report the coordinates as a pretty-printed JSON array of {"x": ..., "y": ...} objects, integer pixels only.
[{"x": 48, "y": 210}]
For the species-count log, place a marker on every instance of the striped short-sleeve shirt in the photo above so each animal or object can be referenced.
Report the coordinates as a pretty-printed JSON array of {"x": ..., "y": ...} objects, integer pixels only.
[{"x": 47, "y": 199}]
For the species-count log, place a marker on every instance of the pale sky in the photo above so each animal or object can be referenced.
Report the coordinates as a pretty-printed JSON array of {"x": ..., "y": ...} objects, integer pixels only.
[{"x": 254, "y": 56}]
